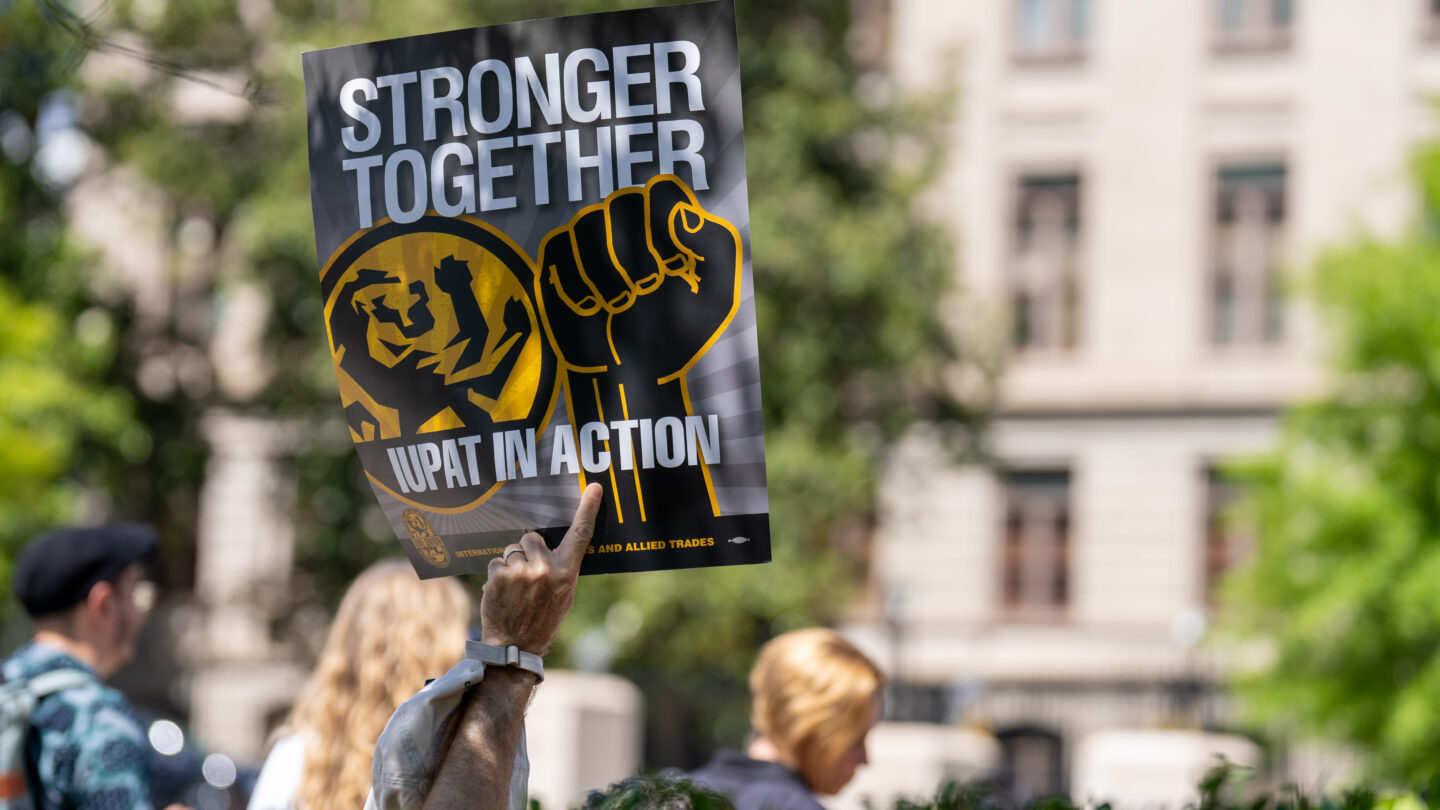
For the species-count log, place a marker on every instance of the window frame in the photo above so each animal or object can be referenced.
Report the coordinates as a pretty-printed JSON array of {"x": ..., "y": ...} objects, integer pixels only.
[
  {"x": 1223, "y": 545},
  {"x": 1011, "y": 583},
  {"x": 1071, "y": 275},
  {"x": 1266, "y": 35},
  {"x": 1272, "y": 304},
  {"x": 1071, "y": 48},
  {"x": 1430, "y": 20}
]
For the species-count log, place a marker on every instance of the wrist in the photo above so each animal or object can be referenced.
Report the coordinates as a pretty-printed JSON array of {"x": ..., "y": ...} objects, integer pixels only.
[
  {"x": 502, "y": 641},
  {"x": 509, "y": 656},
  {"x": 511, "y": 681}
]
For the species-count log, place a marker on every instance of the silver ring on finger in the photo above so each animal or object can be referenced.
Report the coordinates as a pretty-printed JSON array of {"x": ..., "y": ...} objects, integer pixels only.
[{"x": 513, "y": 550}]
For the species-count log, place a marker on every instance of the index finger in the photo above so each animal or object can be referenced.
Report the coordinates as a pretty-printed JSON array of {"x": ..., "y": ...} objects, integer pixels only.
[{"x": 572, "y": 548}]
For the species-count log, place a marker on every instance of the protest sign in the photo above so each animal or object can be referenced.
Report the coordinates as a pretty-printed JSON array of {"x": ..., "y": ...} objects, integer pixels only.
[{"x": 535, "y": 266}]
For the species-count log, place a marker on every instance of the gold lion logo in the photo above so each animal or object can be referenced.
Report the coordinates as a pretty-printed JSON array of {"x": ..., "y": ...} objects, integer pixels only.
[
  {"x": 434, "y": 330},
  {"x": 425, "y": 540}
]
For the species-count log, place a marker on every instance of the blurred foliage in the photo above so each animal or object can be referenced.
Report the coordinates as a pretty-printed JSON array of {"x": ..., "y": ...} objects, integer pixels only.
[
  {"x": 848, "y": 282},
  {"x": 52, "y": 408},
  {"x": 1225, "y": 786},
  {"x": 1342, "y": 588},
  {"x": 62, "y": 428}
]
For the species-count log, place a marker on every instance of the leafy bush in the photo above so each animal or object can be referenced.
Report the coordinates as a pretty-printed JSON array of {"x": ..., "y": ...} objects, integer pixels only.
[{"x": 1224, "y": 787}]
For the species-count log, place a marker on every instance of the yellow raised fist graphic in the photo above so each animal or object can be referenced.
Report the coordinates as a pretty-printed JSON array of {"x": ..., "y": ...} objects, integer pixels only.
[
  {"x": 632, "y": 292},
  {"x": 642, "y": 282}
]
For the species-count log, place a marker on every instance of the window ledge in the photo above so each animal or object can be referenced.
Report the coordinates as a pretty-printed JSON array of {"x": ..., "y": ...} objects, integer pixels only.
[
  {"x": 1058, "y": 58},
  {"x": 1252, "y": 47}
]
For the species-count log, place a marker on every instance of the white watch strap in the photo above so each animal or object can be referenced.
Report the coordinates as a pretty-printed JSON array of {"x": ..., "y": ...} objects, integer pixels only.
[{"x": 512, "y": 656}]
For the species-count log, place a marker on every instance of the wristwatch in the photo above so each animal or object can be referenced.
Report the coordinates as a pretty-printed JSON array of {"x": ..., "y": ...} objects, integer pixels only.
[{"x": 512, "y": 656}]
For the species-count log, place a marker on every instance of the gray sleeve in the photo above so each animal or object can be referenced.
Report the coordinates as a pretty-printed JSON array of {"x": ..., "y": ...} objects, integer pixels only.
[{"x": 407, "y": 754}]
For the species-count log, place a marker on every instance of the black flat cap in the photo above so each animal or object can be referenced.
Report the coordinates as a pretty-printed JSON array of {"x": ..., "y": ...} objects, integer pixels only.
[{"x": 58, "y": 569}]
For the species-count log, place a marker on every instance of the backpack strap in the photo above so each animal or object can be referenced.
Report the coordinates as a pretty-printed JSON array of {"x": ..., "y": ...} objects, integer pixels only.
[
  {"x": 18, "y": 699},
  {"x": 56, "y": 680}
]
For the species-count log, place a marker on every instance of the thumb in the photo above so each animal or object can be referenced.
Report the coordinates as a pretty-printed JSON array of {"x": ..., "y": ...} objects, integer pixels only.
[{"x": 712, "y": 244}]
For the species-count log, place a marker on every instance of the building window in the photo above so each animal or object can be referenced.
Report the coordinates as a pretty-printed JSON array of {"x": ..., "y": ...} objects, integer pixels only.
[
  {"x": 1051, "y": 30},
  {"x": 1249, "y": 236},
  {"x": 1045, "y": 276},
  {"x": 1032, "y": 765},
  {"x": 917, "y": 702},
  {"x": 869, "y": 34},
  {"x": 1253, "y": 25},
  {"x": 1227, "y": 541},
  {"x": 1036, "y": 575}
]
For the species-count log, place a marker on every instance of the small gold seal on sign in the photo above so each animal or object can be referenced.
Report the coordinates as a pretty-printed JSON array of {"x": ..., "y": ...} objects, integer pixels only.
[{"x": 426, "y": 541}]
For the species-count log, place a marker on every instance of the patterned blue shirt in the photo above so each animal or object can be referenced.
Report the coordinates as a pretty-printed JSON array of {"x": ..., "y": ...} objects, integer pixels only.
[{"x": 86, "y": 745}]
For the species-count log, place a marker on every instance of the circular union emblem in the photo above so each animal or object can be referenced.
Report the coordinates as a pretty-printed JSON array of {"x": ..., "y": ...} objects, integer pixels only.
[
  {"x": 425, "y": 540},
  {"x": 436, "y": 340}
]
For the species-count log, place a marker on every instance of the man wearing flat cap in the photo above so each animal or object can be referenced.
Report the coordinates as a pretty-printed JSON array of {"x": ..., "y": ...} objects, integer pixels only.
[{"x": 84, "y": 588}]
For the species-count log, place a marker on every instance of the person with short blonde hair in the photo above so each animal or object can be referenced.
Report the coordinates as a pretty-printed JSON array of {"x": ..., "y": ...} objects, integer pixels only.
[
  {"x": 392, "y": 632},
  {"x": 815, "y": 699}
]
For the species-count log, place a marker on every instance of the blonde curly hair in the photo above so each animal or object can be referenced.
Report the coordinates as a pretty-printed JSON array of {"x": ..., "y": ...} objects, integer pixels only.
[{"x": 393, "y": 631}]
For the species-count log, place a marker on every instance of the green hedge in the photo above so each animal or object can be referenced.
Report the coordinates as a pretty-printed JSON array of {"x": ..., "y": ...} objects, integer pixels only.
[{"x": 1224, "y": 787}]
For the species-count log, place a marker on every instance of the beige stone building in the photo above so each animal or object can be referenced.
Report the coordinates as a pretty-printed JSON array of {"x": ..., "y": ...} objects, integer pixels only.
[{"x": 1132, "y": 183}]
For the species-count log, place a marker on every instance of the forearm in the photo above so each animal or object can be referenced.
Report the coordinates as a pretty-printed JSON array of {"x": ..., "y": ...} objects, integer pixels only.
[
  {"x": 476, "y": 768},
  {"x": 525, "y": 597}
]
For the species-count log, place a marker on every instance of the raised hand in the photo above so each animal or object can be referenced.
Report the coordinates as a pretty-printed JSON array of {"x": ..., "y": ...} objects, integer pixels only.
[{"x": 530, "y": 590}]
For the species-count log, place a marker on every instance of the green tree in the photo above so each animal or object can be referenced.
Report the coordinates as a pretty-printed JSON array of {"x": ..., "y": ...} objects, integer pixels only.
[
  {"x": 63, "y": 427},
  {"x": 848, "y": 279},
  {"x": 54, "y": 414},
  {"x": 1342, "y": 588}
]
